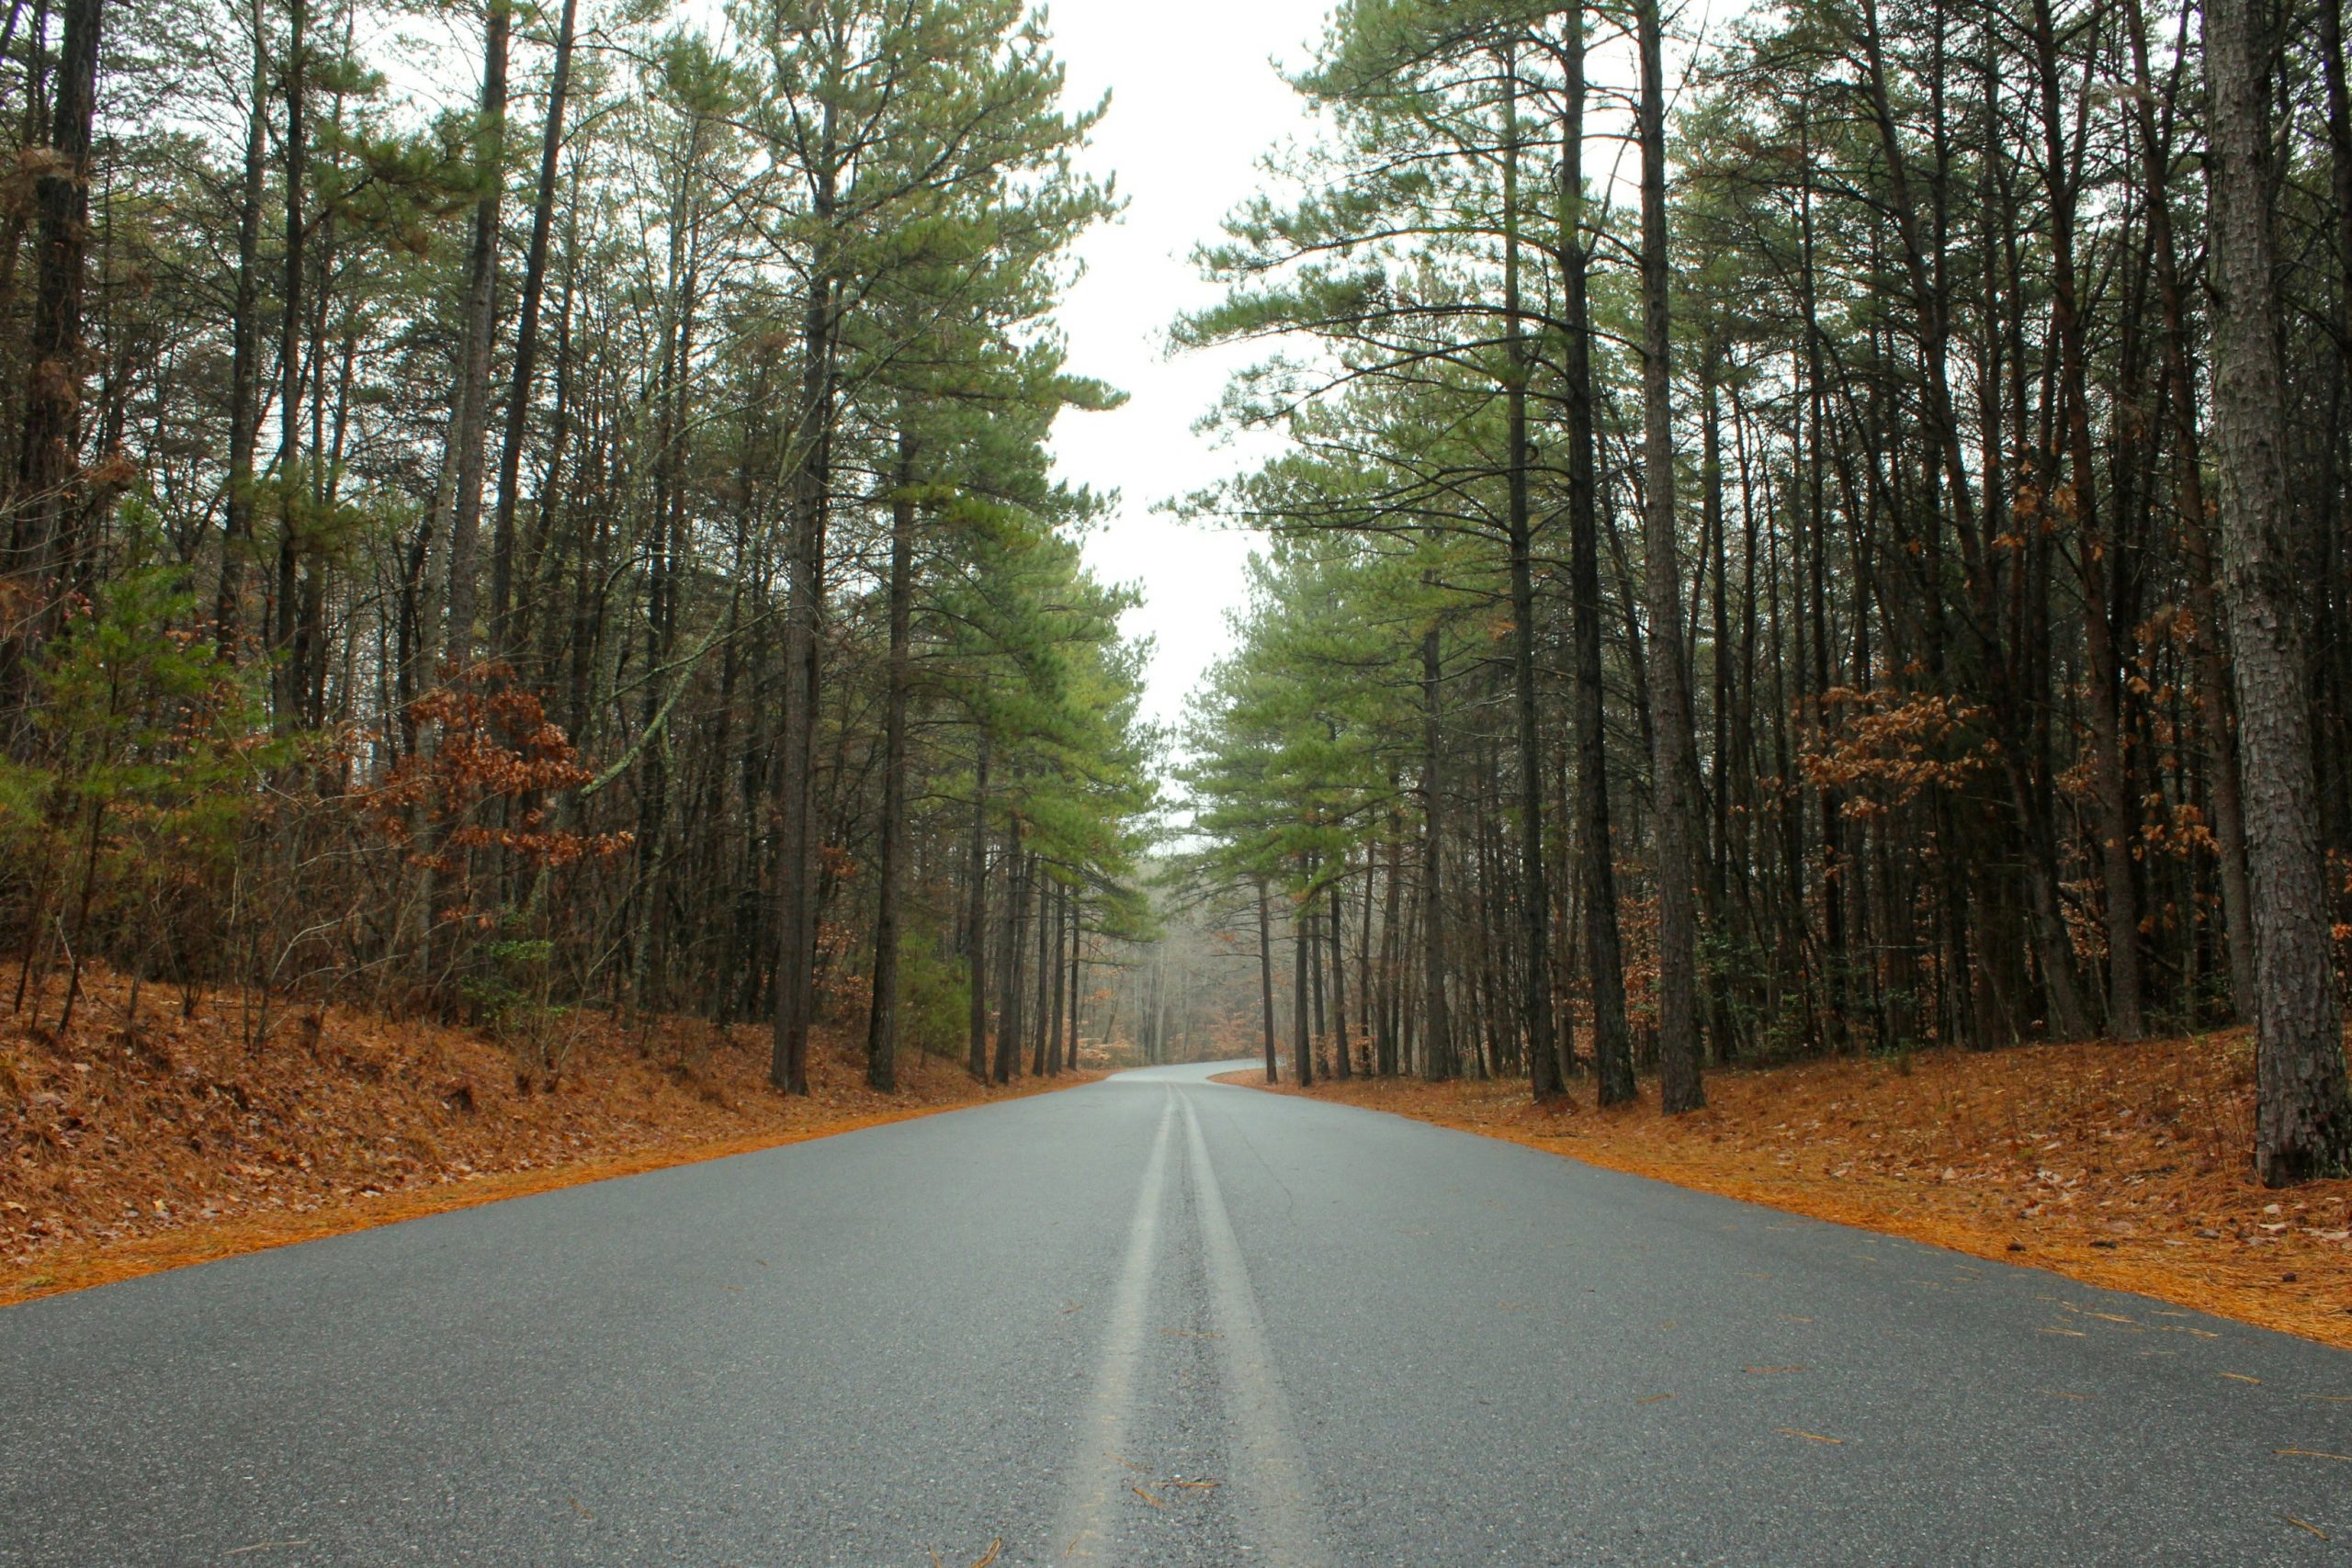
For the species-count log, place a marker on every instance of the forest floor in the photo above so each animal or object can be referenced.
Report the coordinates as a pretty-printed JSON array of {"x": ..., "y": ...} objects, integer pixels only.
[
  {"x": 124, "y": 1151},
  {"x": 2122, "y": 1166}
]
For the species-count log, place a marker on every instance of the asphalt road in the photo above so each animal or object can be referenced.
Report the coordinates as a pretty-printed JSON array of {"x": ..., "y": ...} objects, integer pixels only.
[{"x": 1152, "y": 1321}]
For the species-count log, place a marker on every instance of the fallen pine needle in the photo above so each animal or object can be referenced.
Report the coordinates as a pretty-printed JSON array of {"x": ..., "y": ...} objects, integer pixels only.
[
  {"x": 1764, "y": 1371},
  {"x": 989, "y": 1556},
  {"x": 1155, "y": 1502},
  {"x": 1194, "y": 1485},
  {"x": 263, "y": 1546},
  {"x": 1808, "y": 1436},
  {"x": 2240, "y": 1377},
  {"x": 2305, "y": 1525},
  {"x": 2313, "y": 1453},
  {"x": 1653, "y": 1399}
]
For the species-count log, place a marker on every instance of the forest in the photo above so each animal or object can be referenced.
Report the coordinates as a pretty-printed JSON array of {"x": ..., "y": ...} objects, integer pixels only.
[
  {"x": 583, "y": 540},
  {"x": 1840, "y": 550},
  {"x": 1815, "y": 532}
]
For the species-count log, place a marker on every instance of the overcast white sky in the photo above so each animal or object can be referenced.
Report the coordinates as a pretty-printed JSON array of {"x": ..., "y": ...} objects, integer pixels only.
[{"x": 1194, "y": 102}]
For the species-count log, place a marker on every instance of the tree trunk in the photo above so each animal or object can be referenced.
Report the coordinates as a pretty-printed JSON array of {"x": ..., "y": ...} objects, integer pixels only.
[
  {"x": 1266, "y": 980},
  {"x": 1054, "y": 974},
  {"x": 882, "y": 1021},
  {"x": 527, "y": 345},
  {"x": 811, "y": 481},
  {"x": 1612, "y": 1046},
  {"x": 1536, "y": 931},
  {"x": 2214, "y": 706},
  {"x": 1340, "y": 1048},
  {"x": 1302, "y": 1042},
  {"x": 977, "y": 914},
  {"x": 1437, "y": 1045},
  {"x": 1076, "y": 970},
  {"x": 2303, "y": 1122},
  {"x": 1672, "y": 766},
  {"x": 244, "y": 362},
  {"x": 1386, "y": 1027},
  {"x": 1048, "y": 974},
  {"x": 481, "y": 325},
  {"x": 1012, "y": 1023},
  {"x": 2117, "y": 821},
  {"x": 49, "y": 503}
]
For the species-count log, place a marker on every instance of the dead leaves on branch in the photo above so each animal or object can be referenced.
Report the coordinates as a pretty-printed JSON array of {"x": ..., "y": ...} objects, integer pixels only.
[
  {"x": 494, "y": 757},
  {"x": 1883, "y": 748}
]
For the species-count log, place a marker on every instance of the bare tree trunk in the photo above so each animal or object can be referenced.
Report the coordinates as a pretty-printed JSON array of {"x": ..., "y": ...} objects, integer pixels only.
[
  {"x": 527, "y": 345},
  {"x": 1612, "y": 1046},
  {"x": 245, "y": 361},
  {"x": 47, "y": 502},
  {"x": 1437, "y": 1050},
  {"x": 977, "y": 914},
  {"x": 1302, "y": 1043},
  {"x": 289, "y": 356},
  {"x": 1076, "y": 970},
  {"x": 1266, "y": 980},
  {"x": 1012, "y": 1022},
  {"x": 882, "y": 1021},
  {"x": 1342, "y": 1065},
  {"x": 1385, "y": 1030},
  {"x": 811, "y": 481},
  {"x": 1053, "y": 978},
  {"x": 1048, "y": 974},
  {"x": 1672, "y": 766},
  {"x": 2117, "y": 821},
  {"x": 2214, "y": 706},
  {"x": 1535, "y": 929},
  {"x": 481, "y": 325},
  {"x": 2303, "y": 1122}
]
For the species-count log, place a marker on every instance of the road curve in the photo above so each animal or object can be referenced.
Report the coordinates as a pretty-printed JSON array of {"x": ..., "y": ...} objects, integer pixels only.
[{"x": 1151, "y": 1321}]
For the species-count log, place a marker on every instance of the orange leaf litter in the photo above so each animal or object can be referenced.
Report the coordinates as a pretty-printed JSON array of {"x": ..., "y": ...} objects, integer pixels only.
[
  {"x": 128, "y": 1151},
  {"x": 2121, "y": 1166}
]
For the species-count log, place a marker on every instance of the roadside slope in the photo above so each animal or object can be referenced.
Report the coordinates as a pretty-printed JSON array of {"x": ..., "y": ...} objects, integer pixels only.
[
  {"x": 148, "y": 1141},
  {"x": 2121, "y": 1166}
]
